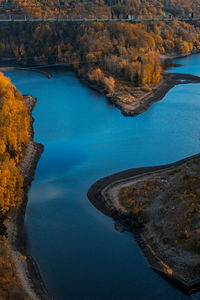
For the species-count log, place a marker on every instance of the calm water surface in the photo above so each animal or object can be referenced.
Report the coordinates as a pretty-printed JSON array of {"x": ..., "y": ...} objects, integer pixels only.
[{"x": 80, "y": 254}]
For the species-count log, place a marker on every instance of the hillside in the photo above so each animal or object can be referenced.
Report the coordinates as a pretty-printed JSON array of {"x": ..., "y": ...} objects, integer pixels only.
[
  {"x": 14, "y": 133},
  {"x": 113, "y": 56},
  {"x": 108, "y": 8}
]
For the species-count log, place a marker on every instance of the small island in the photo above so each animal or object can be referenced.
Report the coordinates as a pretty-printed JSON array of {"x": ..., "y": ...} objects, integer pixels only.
[{"x": 160, "y": 206}]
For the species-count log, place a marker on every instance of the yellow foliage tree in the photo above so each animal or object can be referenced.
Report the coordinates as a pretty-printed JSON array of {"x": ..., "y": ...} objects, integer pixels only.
[
  {"x": 109, "y": 84},
  {"x": 97, "y": 75},
  {"x": 14, "y": 135}
]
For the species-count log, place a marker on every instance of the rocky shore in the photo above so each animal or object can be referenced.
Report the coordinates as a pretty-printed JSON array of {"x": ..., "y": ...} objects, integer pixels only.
[
  {"x": 26, "y": 269},
  {"x": 131, "y": 106},
  {"x": 180, "y": 267}
]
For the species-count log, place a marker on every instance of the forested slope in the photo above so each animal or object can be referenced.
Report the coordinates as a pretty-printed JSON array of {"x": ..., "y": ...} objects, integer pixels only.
[
  {"x": 99, "y": 8},
  {"x": 14, "y": 135},
  {"x": 121, "y": 51}
]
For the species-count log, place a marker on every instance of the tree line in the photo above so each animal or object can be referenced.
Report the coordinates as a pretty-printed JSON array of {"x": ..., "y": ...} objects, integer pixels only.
[
  {"x": 14, "y": 135},
  {"x": 130, "y": 52},
  {"x": 99, "y": 8}
]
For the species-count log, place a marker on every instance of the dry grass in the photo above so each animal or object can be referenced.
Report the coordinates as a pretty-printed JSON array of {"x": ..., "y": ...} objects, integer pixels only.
[{"x": 170, "y": 202}]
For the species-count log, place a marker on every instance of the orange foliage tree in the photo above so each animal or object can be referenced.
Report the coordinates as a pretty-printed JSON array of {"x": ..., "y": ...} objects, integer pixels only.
[{"x": 14, "y": 135}]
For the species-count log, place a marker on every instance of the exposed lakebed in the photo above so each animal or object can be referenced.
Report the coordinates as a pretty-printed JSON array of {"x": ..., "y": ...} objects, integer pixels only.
[{"x": 79, "y": 253}]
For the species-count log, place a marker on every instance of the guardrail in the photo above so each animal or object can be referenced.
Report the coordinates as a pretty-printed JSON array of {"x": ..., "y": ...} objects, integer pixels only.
[{"x": 92, "y": 19}]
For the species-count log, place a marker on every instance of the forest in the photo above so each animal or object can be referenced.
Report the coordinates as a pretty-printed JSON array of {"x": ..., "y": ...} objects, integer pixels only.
[
  {"x": 101, "y": 52},
  {"x": 99, "y": 8},
  {"x": 14, "y": 135}
]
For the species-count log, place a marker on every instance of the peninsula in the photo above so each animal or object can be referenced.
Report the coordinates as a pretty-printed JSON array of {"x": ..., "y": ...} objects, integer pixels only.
[{"x": 160, "y": 206}]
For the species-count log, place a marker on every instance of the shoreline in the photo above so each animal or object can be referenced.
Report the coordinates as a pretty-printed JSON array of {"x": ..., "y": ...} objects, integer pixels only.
[
  {"x": 9, "y": 68},
  {"x": 171, "y": 56},
  {"x": 30, "y": 273},
  {"x": 101, "y": 196},
  {"x": 139, "y": 104},
  {"x": 27, "y": 270},
  {"x": 142, "y": 104}
]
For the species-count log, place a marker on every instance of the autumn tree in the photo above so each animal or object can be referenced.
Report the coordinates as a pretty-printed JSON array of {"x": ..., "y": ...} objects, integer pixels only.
[{"x": 14, "y": 135}]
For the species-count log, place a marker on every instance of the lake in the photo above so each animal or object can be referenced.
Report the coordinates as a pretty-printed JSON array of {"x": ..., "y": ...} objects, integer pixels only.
[{"x": 81, "y": 256}]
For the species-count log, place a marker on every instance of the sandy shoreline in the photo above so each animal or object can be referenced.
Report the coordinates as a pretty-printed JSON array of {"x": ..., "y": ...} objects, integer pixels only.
[
  {"x": 102, "y": 195},
  {"x": 26, "y": 270}
]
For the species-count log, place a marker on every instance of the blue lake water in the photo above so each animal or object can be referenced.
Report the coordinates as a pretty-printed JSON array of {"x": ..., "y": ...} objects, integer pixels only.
[
  {"x": 80, "y": 254},
  {"x": 189, "y": 65}
]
